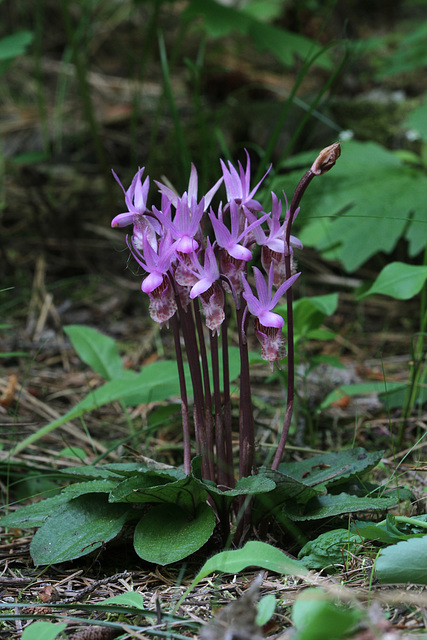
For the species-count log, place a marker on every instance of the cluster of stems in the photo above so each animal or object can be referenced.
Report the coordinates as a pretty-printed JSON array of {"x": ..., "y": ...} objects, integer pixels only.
[{"x": 195, "y": 282}]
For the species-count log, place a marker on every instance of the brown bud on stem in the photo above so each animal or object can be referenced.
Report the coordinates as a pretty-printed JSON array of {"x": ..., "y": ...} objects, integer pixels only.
[{"x": 326, "y": 159}]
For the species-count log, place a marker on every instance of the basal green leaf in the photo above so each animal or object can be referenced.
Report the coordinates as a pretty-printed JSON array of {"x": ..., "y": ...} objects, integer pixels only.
[
  {"x": 335, "y": 505},
  {"x": 97, "y": 350},
  {"x": 403, "y": 562},
  {"x": 77, "y": 528},
  {"x": 399, "y": 280},
  {"x": 380, "y": 532},
  {"x": 93, "y": 486},
  {"x": 166, "y": 533},
  {"x": 332, "y": 468},
  {"x": 253, "y": 554},
  {"x": 329, "y": 549},
  {"x": 288, "y": 489},
  {"x": 154, "y": 487},
  {"x": 34, "y": 515}
]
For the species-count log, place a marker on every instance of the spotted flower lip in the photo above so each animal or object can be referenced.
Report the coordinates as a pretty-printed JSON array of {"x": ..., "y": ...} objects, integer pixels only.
[
  {"x": 261, "y": 306},
  {"x": 135, "y": 198}
]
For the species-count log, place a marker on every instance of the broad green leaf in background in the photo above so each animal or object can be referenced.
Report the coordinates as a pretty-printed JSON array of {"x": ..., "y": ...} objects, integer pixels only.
[
  {"x": 363, "y": 388},
  {"x": 403, "y": 562},
  {"x": 97, "y": 350},
  {"x": 369, "y": 202},
  {"x": 77, "y": 528},
  {"x": 309, "y": 313},
  {"x": 41, "y": 630},
  {"x": 409, "y": 54},
  {"x": 399, "y": 280},
  {"x": 220, "y": 20},
  {"x": 417, "y": 119},
  {"x": 317, "y": 617},
  {"x": 156, "y": 382},
  {"x": 166, "y": 533}
]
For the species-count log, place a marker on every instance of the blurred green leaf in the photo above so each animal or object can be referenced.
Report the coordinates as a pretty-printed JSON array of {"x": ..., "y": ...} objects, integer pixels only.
[
  {"x": 417, "y": 119},
  {"x": 317, "y": 617},
  {"x": 42, "y": 630},
  {"x": 97, "y": 350},
  {"x": 15, "y": 44},
  {"x": 367, "y": 203},
  {"x": 220, "y": 20},
  {"x": 265, "y": 609},
  {"x": 399, "y": 280},
  {"x": 362, "y": 388}
]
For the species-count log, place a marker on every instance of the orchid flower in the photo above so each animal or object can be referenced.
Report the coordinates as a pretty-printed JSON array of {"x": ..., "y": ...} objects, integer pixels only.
[
  {"x": 136, "y": 202},
  {"x": 208, "y": 289},
  {"x": 274, "y": 247},
  {"x": 192, "y": 190},
  {"x": 185, "y": 224},
  {"x": 237, "y": 184},
  {"x": 157, "y": 284},
  {"x": 268, "y": 325},
  {"x": 230, "y": 239}
]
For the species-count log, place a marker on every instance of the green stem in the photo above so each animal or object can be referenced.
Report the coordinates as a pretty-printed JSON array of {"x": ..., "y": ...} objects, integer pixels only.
[{"x": 406, "y": 520}]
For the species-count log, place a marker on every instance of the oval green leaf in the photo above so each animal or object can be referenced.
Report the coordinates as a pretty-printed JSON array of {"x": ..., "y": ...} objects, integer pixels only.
[
  {"x": 399, "y": 280},
  {"x": 167, "y": 534},
  {"x": 77, "y": 528},
  {"x": 403, "y": 562}
]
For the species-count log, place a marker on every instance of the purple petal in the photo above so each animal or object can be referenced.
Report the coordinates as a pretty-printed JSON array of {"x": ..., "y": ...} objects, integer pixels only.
[
  {"x": 239, "y": 253},
  {"x": 122, "y": 220},
  {"x": 151, "y": 282},
  {"x": 270, "y": 319}
]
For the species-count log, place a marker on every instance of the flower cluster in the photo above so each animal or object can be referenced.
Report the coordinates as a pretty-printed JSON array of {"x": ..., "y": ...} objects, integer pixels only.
[{"x": 183, "y": 264}]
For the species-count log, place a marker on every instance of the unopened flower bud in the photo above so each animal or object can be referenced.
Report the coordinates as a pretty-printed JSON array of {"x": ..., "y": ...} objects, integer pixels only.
[{"x": 326, "y": 159}]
